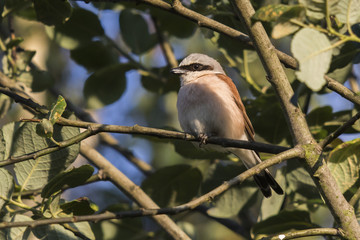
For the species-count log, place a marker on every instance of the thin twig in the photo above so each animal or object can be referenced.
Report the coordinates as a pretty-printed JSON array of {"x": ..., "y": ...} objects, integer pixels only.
[
  {"x": 339, "y": 131},
  {"x": 307, "y": 233},
  {"x": 355, "y": 198},
  {"x": 165, "y": 45}
]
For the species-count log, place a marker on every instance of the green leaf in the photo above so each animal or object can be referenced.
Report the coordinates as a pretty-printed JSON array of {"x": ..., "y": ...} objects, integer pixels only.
[
  {"x": 299, "y": 181},
  {"x": 81, "y": 28},
  {"x": 348, "y": 11},
  {"x": 5, "y": 104},
  {"x": 106, "y": 85},
  {"x": 53, "y": 232},
  {"x": 35, "y": 173},
  {"x": 135, "y": 32},
  {"x": 344, "y": 162},
  {"x": 6, "y": 185},
  {"x": 272, "y": 206},
  {"x": 229, "y": 203},
  {"x": 129, "y": 228},
  {"x": 45, "y": 128},
  {"x": 168, "y": 82},
  {"x": 317, "y": 119},
  {"x": 94, "y": 55},
  {"x": 78, "y": 207},
  {"x": 18, "y": 232},
  {"x": 9, "y": 131},
  {"x": 20, "y": 8},
  {"x": 84, "y": 228},
  {"x": 40, "y": 80},
  {"x": 57, "y": 109},
  {"x": 170, "y": 186},
  {"x": 271, "y": 13},
  {"x": 267, "y": 107},
  {"x": 52, "y": 12},
  {"x": 313, "y": 51},
  {"x": 14, "y": 42},
  {"x": 284, "y": 221},
  {"x": 284, "y": 26},
  {"x": 172, "y": 24},
  {"x": 320, "y": 115},
  {"x": 343, "y": 55},
  {"x": 315, "y": 9},
  {"x": 73, "y": 177}
]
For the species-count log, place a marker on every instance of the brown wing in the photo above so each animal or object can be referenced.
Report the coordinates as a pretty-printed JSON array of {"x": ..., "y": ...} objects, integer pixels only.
[{"x": 248, "y": 126}]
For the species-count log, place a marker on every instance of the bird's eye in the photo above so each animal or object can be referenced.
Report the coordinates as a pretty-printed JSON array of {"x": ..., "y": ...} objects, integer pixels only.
[{"x": 196, "y": 67}]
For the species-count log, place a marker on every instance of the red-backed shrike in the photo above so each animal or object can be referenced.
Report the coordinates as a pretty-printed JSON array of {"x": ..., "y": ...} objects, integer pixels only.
[{"x": 209, "y": 105}]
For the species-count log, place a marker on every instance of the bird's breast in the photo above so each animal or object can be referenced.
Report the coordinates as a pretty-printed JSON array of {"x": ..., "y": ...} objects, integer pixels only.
[{"x": 207, "y": 107}]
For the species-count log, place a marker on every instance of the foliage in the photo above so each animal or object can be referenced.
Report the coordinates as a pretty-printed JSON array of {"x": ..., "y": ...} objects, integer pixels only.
[{"x": 323, "y": 36}]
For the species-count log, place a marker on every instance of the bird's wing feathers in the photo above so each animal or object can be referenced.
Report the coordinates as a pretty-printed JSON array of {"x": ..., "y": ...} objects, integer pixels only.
[{"x": 248, "y": 126}]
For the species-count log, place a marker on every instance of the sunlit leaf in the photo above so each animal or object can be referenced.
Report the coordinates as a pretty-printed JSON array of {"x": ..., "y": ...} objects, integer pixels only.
[
  {"x": 35, "y": 173},
  {"x": 344, "y": 162},
  {"x": 313, "y": 51},
  {"x": 6, "y": 185},
  {"x": 57, "y": 109},
  {"x": 348, "y": 11},
  {"x": 18, "y": 232},
  {"x": 271, "y": 13}
]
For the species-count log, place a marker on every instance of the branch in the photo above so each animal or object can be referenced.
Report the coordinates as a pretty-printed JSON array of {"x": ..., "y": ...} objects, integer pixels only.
[
  {"x": 339, "y": 131},
  {"x": 48, "y": 150},
  {"x": 135, "y": 192},
  {"x": 342, "y": 211},
  {"x": 165, "y": 45},
  {"x": 130, "y": 189},
  {"x": 307, "y": 233},
  {"x": 106, "y": 138}
]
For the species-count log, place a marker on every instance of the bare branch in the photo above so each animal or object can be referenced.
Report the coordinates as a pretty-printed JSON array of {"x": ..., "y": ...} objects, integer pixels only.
[
  {"x": 130, "y": 189},
  {"x": 307, "y": 233}
]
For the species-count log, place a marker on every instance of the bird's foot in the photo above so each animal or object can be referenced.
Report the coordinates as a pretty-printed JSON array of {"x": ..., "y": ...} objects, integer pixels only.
[{"x": 203, "y": 139}]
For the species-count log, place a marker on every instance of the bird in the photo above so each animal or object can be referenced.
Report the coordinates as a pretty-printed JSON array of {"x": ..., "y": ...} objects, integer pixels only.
[{"x": 209, "y": 105}]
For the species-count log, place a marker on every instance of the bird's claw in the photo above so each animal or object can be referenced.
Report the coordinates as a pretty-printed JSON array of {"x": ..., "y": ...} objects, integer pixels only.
[{"x": 203, "y": 139}]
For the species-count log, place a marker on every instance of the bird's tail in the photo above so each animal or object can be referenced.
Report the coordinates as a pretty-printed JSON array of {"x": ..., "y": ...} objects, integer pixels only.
[{"x": 264, "y": 179}]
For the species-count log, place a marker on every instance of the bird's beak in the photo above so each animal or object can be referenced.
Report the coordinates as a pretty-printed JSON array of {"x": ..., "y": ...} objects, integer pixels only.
[{"x": 177, "y": 71}]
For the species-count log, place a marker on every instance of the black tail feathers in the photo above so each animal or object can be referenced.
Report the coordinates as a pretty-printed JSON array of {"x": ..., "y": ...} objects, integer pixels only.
[{"x": 265, "y": 182}]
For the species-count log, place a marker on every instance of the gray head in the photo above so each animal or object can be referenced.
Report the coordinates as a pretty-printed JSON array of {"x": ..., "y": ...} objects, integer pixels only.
[{"x": 197, "y": 62}]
